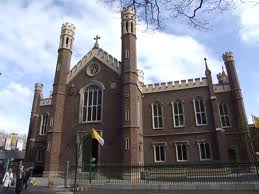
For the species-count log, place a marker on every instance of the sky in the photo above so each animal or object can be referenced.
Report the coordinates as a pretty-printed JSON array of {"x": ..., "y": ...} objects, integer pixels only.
[{"x": 29, "y": 41}]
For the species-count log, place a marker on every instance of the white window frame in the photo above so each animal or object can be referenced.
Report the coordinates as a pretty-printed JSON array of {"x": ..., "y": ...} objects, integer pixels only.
[
  {"x": 160, "y": 144},
  {"x": 81, "y": 105},
  {"x": 174, "y": 114},
  {"x": 153, "y": 116},
  {"x": 42, "y": 157},
  {"x": 195, "y": 112},
  {"x": 44, "y": 123},
  {"x": 224, "y": 115},
  {"x": 186, "y": 143},
  {"x": 199, "y": 147}
]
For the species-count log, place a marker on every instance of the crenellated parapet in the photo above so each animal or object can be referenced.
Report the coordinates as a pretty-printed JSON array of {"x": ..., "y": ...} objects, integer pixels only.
[
  {"x": 228, "y": 56},
  {"x": 68, "y": 28},
  {"x": 67, "y": 36},
  {"x": 45, "y": 102},
  {"x": 101, "y": 55},
  {"x": 128, "y": 21},
  {"x": 219, "y": 88},
  {"x": 176, "y": 85},
  {"x": 38, "y": 87}
]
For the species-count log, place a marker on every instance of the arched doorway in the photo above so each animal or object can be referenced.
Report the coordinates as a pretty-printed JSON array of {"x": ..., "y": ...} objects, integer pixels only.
[
  {"x": 95, "y": 146},
  {"x": 90, "y": 150}
]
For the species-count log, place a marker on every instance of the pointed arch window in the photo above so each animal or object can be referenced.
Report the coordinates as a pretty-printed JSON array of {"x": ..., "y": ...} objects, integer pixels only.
[
  {"x": 178, "y": 114},
  {"x": 159, "y": 152},
  {"x": 200, "y": 112},
  {"x": 44, "y": 124},
  {"x": 92, "y": 104},
  {"x": 204, "y": 151},
  {"x": 224, "y": 115},
  {"x": 181, "y": 151},
  {"x": 157, "y": 115}
]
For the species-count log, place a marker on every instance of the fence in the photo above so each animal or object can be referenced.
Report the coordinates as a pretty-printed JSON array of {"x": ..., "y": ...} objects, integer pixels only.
[{"x": 179, "y": 173}]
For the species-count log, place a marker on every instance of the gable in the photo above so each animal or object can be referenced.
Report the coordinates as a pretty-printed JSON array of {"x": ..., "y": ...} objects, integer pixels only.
[{"x": 101, "y": 55}]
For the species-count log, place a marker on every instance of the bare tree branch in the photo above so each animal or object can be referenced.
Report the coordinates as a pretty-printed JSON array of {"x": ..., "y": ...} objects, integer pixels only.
[{"x": 195, "y": 13}]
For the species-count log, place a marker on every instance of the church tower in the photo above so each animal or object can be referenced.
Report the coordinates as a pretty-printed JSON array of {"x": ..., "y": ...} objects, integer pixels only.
[
  {"x": 237, "y": 99},
  {"x": 33, "y": 122},
  {"x": 130, "y": 91},
  {"x": 58, "y": 98}
]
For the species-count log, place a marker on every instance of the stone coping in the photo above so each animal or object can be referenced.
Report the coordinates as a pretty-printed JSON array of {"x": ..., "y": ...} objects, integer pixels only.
[{"x": 182, "y": 187}]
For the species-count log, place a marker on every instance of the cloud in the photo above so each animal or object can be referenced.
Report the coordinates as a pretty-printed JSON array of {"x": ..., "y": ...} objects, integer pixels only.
[
  {"x": 28, "y": 50},
  {"x": 249, "y": 31},
  {"x": 169, "y": 57},
  {"x": 15, "y": 104}
]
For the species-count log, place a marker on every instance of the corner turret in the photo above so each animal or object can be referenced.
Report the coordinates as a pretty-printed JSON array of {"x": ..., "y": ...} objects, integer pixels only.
[
  {"x": 33, "y": 122},
  {"x": 128, "y": 21},
  {"x": 222, "y": 77},
  {"x": 67, "y": 36},
  {"x": 238, "y": 104},
  {"x": 131, "y": 100},
  {"x": 58, "y": 97}
]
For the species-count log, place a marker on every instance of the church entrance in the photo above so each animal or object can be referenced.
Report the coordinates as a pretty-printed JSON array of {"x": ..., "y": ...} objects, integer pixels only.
[
  {"x": 90, "y": 152},
  {"x": 95, "y": 146}
]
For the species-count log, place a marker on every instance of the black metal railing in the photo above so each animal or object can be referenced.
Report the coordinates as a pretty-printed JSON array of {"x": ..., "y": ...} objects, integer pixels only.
[{"x": 164, "y": 173}]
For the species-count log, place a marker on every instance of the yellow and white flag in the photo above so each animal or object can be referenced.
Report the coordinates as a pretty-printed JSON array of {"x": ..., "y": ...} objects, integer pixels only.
[
  {"x": 256, "y": 121},
  {"x": 96, "y": 136},
  {"x": 8, "y": 143}
]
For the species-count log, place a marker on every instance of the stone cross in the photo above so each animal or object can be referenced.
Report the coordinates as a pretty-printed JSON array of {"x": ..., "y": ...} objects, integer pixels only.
[{"x": 96, "y": 41}]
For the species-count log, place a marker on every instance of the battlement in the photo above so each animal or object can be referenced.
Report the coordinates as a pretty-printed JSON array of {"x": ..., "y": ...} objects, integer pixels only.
[
  {"x": 228, "y": 56},
  {"x": 45, "y": 102},
  {"x": 68, "y": 28},
  {"x": 38, "y": 86},
  {"x": 128, "y": 14},
  {"x": 100, "y": 54},
  {"x": 127, "y": 10},
  {"x": 176, "y": 85},
  {"x": 218, "y": 88}
]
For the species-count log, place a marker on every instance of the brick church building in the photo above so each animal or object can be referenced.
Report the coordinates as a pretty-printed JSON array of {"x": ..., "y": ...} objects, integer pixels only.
[{"x": 189, "y": 120}]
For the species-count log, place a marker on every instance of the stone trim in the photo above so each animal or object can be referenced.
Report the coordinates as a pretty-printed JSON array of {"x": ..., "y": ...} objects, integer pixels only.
[
  {"x": 221, "y": 88},
  {"x": 45, "y": 102},
  {"x": 101, "y": 55},
  {"x": 180, "y": 187},
  {"x": 187, "y": 133},
  {"x": 176, "y": 85}
]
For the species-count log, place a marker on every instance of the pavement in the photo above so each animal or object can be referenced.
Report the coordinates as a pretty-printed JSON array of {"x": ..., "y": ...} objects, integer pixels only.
[
  {"x": 41, "y": 187},
  {"x": 45, "y": 190}
]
